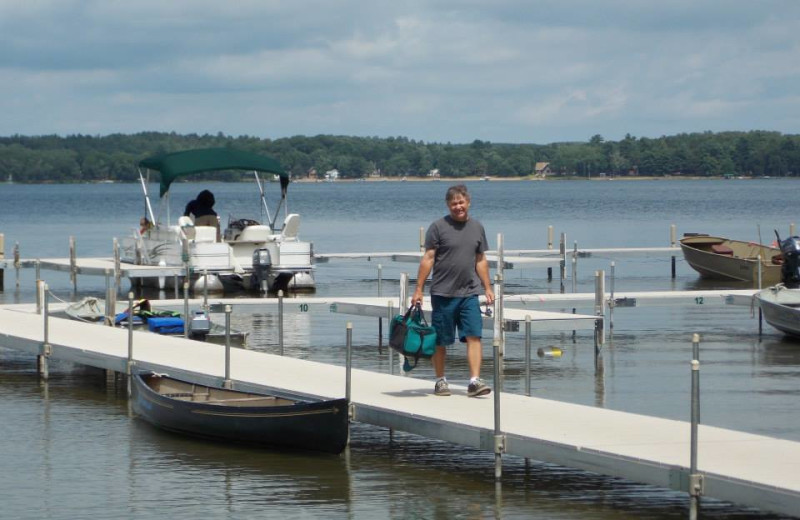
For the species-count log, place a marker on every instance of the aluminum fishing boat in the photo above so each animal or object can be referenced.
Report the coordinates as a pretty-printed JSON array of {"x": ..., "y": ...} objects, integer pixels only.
[{"x": 720, "y": 258}]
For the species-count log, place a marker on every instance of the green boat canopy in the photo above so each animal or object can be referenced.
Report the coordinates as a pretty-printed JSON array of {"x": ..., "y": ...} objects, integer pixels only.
[{"x": 177, "y": 164}]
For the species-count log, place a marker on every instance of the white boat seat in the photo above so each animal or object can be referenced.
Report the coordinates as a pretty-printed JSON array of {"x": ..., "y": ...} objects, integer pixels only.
[
  {"x": 259, "y": 233},
  {"x": 290, "y": 226},
  {"x": 205, "y": 234}
]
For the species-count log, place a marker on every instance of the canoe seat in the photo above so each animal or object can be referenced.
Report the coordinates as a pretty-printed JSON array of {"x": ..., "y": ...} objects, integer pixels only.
[{"x": 722, "y": 249}]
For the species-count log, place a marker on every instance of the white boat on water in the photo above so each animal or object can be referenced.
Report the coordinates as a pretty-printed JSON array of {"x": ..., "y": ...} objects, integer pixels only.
[
  {"x": 781, "y": 308},
  {"x": 251, "y": 253},
  {"x": 780, "y": 304}
]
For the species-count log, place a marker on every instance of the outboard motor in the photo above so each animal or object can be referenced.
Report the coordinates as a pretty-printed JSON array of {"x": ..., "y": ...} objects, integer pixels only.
[
  {"x": 790, "y": 272},
  {"x": 199, "y": 325},
  {"x": 262, "y": 263}
]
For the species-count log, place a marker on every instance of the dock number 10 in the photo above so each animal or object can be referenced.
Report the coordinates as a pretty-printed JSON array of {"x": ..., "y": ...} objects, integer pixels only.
[{"x": 303, "y": 307}]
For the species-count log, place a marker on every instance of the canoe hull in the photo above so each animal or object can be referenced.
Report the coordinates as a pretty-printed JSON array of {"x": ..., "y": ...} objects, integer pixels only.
[
  {"x": 740, "y": 265},
  {"x": 781, "y": 309},
  {"x": 239, "y": 417}
]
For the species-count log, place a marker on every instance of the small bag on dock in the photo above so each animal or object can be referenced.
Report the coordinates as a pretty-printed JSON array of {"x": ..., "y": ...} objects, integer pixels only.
[{"x": 410, "y": 335}]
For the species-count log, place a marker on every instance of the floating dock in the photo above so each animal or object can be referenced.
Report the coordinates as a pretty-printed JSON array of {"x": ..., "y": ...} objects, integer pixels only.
[{"x": 747, "y": 469}]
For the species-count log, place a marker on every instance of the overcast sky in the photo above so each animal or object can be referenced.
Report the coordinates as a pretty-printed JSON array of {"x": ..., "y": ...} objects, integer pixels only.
[{"x": 532, "y": 71}]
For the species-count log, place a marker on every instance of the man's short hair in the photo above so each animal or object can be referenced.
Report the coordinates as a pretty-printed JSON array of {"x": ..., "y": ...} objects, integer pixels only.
[{"x": 458, "y": 189}]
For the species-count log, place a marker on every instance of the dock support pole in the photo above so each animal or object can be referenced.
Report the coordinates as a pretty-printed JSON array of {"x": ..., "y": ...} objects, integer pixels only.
[
  {"x": 549, "y": 246},
  {"x": 672, "y": 242},
  {"x": 41, "y": 359},
  {"x": 129, "y": 364},
  {"x": 380, "y": 320},
  {"x": 695, "y": 479},
  {"x": 791, "y": 229},
  {"x": 40, "y": 294},
  {"x": 109, "y": 308},
  {"x": 599, "y": 311},
  {"x": 2, "y": 255},
  {"x": 117, "y": 267},
  {"x": 562, "y": 249},
  {"x": 17, "y": 264},
  {"x": 501, "y": 271},
  {"x": 499, "y": 438},
  {"x": 575, "y": 267},
  {"x": 528, "y": 355},
  {"x": 349, "y": 363},
  {"x": 280, "y": 322},
  {"x": 205, "y": 290},
  {"x": 760, "y": 268},
  {"x": 527, "y": 366},
  {"x": 389, "y": 316},
  {"x": 403, "y": 305},
  {"x": 227, "y": 383},
  {"x": 422, "y": 239},
  {"x": 612, "y": 278},
  {"x": 73, "y": 265},
  {"x": 499, "y": 322},
  {"x": 186, "y": 308}
]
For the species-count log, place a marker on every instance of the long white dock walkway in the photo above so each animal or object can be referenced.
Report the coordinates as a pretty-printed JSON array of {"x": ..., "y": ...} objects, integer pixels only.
[
  {"x": 742, "y": 468},
  {"x": 96, "y": 266},
  {"x": 637, "y": 299}
]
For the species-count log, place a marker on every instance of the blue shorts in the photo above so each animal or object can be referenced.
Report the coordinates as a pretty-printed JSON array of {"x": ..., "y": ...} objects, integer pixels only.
[{"x": 448, "y": 314}]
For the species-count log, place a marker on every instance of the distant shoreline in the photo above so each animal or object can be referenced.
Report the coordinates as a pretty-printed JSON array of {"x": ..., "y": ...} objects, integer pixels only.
[{"x": 452, "y": 180}]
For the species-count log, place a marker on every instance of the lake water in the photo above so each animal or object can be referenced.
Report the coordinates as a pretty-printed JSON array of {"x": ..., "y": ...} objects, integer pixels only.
[{"x": 70, "y": 449}]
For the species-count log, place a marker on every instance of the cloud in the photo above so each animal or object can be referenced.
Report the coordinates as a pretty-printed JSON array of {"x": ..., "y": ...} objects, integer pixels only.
[{"x": 438, "y": 70}]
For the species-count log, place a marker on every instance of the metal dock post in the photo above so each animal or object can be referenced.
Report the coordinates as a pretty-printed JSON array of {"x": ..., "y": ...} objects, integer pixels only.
[
  {"x": 186, "y": 308},
  {"x": 16, "y": 262},
  {"x": 2, "y": 255},
  {"x": 129, "y": 364},
  {"x": 280, "y": 321},
  {"x": 227, "y": 383},
  {"x": 695, "y": 478},
  {"x": 44, "y": 352},
  {"x": 550, "y": 246},
  {"x": 380, "y": 320},
  {"x": 73, "y": 265},
  {"x": 562, "y": 249},
  {"x": 672, "y": 242},
  {"x": 599, "y": 311}
]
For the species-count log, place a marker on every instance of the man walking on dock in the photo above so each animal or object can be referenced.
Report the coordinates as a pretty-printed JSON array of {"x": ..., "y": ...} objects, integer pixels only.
[{"x": 455, "y": 247}]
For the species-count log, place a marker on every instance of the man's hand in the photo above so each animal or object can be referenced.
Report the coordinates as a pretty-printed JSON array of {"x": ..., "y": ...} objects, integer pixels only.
[
  {"x": 489, "y": 296},
  {"x": 417, "y": 297}
]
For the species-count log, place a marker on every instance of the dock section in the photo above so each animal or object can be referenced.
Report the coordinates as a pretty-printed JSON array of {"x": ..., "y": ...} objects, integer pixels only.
[{"x": 742, "y": 468}]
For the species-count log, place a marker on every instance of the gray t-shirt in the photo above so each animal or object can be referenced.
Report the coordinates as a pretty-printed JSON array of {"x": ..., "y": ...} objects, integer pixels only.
[{"x": 456, "y": 244}]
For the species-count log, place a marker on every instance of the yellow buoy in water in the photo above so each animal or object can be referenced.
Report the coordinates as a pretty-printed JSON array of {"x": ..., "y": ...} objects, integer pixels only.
[{"x": 549, "y": 352}]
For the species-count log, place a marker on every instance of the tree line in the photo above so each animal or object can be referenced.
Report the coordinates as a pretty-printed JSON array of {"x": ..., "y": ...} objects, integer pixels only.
[{"x": 85, "y": 158}]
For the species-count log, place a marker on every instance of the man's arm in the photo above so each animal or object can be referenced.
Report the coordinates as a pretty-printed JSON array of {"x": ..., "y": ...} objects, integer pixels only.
[
  {"x": 482, "y": 268},
  {"x": 425, "y": 267}
]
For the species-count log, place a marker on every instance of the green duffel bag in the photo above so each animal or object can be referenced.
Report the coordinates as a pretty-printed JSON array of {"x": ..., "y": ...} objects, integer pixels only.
[{"x": 412, "y": 336}]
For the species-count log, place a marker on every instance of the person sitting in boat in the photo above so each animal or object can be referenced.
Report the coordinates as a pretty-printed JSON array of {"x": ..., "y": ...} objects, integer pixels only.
[
  {"x": 144, "y": 225},
  {"x": 202, "y": 211}
]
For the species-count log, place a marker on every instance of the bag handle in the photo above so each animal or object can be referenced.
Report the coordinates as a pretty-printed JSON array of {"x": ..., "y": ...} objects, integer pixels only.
[{"x": 418, "y": 314}]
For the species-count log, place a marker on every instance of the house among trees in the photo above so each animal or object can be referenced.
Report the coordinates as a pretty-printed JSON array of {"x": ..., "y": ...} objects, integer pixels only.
[
  {"x": 542, "y": 169},
  {"x": 434, "y": 174},
  {"x": 312, "y": 174},
  {"x": 332, "y": 175}
]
